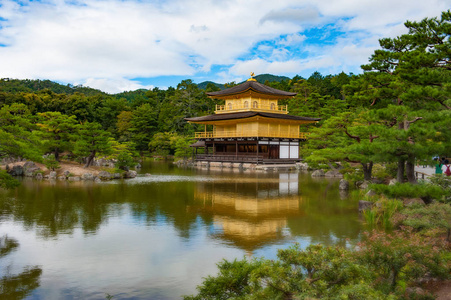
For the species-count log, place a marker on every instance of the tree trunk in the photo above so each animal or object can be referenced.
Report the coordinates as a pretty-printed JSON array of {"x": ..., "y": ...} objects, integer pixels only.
[
  {"x": 57, "y": 155},
  {"x": 410, "y": 169},
  {"x": 400, "y": 174},
  {"x": 367, "y": 171},
  {"x": 90, "y": 158}
]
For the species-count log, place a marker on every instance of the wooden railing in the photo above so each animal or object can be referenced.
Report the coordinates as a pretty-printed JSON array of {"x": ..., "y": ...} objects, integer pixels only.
[
  {"x": 283, "y": 109},
  {"x": 246, "y": 134}
]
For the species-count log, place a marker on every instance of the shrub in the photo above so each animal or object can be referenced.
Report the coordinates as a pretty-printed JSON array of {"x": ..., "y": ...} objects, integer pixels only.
[
  {"x": 382, "y": 212},
  {"x": 7, "y": 181},
  {"x": 433, "y": 219},
  {"x": 124, "y": 160},
  {"x": 232, "y": 282},
  {"x": 316, "y": 272},
  {"x": 443, "y": 182},
  {"x": 401, "y": 253},
  {"x": 381, "y": 172},
  {"x": 51, "y": 163},
  {"x": 425, "y": 191}
]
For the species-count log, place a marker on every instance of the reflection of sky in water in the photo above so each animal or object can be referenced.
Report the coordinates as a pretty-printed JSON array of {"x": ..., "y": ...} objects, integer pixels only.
[
  {"x": 123, "y": 257},
  {"x": 155, "y": 237}
]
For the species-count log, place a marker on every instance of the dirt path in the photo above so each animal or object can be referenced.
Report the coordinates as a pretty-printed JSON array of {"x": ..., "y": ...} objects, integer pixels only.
[
  {"x": 441, "y": 289},
  {"x": 74, "y": 168}
]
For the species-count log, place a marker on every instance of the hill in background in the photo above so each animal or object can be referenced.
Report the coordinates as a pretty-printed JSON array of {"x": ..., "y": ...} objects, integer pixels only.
[{"x": 30, "y": 85}]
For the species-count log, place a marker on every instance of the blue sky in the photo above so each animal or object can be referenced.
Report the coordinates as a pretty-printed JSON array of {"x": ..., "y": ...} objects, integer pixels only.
[{"x": 126, "y": 44}]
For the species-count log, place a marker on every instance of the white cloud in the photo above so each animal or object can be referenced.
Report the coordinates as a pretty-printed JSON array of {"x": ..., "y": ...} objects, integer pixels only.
[
  {"x": 293, "y": 39},
  {"x": 116, "y": 41},
  {"x": 114, "y": 85},
  {"x": 309, "y": 15}
]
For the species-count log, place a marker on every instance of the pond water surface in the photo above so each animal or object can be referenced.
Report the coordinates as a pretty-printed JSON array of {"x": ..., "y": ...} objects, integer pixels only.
[{"x": 156, "y": 237}]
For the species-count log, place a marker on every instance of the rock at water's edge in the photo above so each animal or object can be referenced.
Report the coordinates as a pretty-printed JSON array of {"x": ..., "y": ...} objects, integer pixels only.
[
  {"x": 363, "y": 205},
  {"x": 333, "y": 173},
  {"x": 344, "y": 185},
  {"x": 87, "y": 176},
  {"x": 104, "y": 175},
  {"x": 130, "y": 174},
  {"x": 318, "y": 173}
]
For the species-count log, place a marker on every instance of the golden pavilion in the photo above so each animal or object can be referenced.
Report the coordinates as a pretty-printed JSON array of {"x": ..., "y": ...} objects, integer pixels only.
[{"x": 250, "y": 127}]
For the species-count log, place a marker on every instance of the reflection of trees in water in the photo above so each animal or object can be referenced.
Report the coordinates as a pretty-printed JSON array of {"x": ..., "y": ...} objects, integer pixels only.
[
  {"x": 59, "y": 208},
  {"x": 53, "y": 209},
  {"x": 21, "y": 285},
  {"x": 7, "y": 245},
  {"x": 329, "y": 217}
]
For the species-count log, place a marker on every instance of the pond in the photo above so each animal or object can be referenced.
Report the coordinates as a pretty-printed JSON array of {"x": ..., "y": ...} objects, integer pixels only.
[{"x": 155, "y": 237}]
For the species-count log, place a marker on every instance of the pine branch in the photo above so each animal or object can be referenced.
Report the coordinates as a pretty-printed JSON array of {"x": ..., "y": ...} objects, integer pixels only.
[
  {"x": 373, "y": 138},
  {"x": 414, "y": 120},
  {"x": 352, "y": 136}
]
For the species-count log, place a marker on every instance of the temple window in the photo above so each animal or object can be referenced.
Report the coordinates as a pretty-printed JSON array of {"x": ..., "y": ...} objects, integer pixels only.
[
  {"x": 246, "y": 104},
  {"x": 229, "y": 106},
  {"x": 255, "y": 104},
  {"x": 273, "y": 106}
]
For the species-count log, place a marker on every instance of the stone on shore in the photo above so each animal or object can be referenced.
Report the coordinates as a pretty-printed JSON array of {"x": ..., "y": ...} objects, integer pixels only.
[
  {"x": 302, "y": 166},
  {"x": 371, "y": 193},
  {"x": 363, "y": 185},
  {"x": 318, "y": 173},
  {"x": 413, "y": 201},
  {"x": 87, "y": 176},
  {"x": 130, "y": 174},
  {"x": 30, "y": 169},
  {"x": 52, "y": 175},
  {"x": 104, "y": 175},
  {"x": 15, "y": 171},
  {"x": 364, "y": 205},
  {"x": 344, "y": 185},
  {"x": 333, "y": 173}
]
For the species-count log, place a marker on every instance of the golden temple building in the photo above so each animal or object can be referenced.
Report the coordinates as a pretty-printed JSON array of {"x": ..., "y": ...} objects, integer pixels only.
[{"x": 250, "y": 127}]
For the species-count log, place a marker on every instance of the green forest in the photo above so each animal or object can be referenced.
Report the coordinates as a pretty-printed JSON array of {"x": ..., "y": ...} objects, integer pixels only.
[{"x": 44, "y": 118}]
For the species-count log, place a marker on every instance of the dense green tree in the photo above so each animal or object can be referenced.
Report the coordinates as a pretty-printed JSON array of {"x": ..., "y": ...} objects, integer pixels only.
[
  {"x": 17, "y": 138},
  {"x": 57, "y": 131},
  {"x": 124, "y": 125},
  {"x": 123, "y": 154},
  {"x": 107, "y": 111},
  {"x": 187, "y": 101},
  {"x": 143, "y": 125},
  {"x": 348, "y": 136},
  {"x": 408, "y": 82},
  {"x": 182, "y": 147},
  {"x": 91, "y": 140}
]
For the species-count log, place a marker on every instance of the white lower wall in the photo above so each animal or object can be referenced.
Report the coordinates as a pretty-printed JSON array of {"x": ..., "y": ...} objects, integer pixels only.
[{"x": 294, "y": 151}]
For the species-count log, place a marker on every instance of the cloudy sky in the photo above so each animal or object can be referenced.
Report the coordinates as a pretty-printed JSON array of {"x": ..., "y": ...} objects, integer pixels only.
[{"x": 130, "y": 44}]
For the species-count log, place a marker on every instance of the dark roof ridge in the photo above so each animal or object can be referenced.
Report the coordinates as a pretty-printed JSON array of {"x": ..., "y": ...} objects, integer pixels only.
[
  {"x": 249, "y": 114},
  {"x": 253, "y": 85}
]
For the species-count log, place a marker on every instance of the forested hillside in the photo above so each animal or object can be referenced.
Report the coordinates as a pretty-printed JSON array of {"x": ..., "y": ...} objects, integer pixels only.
[{"x": 28, "y": 85}]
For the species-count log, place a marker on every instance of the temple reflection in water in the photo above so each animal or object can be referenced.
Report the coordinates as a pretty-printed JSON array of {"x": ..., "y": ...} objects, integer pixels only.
[{"x": 253, "y": 212}]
